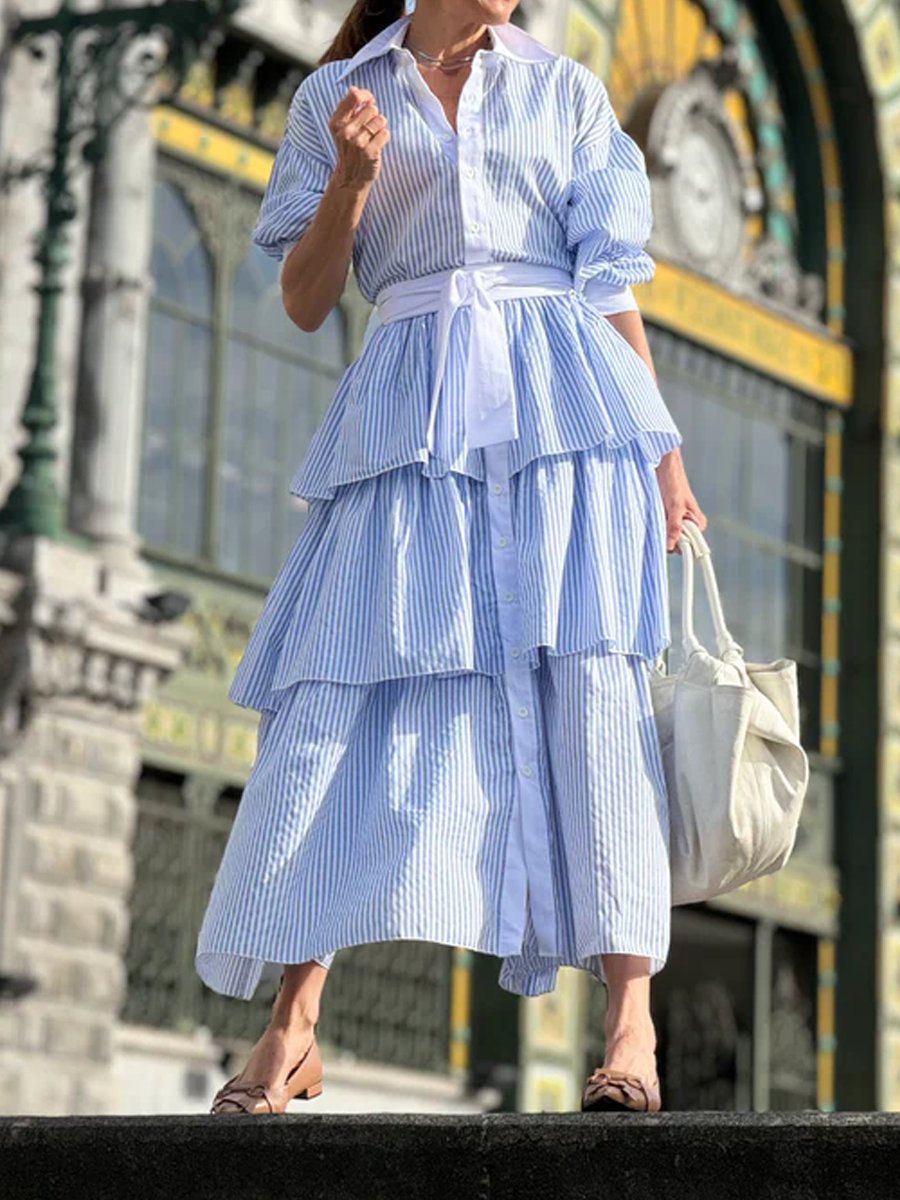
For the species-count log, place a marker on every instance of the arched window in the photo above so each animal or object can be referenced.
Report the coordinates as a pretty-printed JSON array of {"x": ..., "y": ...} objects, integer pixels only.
[
  {"x": 754, "y": 452},
  {"x": 175, "y": 461},
  {"x": 278, "y": 381},
  {"x": 234, "y": 390}
]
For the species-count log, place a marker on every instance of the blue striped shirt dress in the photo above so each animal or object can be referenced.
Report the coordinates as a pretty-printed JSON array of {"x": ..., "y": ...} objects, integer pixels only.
[{"x": 456, "y": 740}]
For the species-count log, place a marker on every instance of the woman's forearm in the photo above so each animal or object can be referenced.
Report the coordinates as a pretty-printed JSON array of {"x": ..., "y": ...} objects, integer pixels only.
[
  {"x": 315, "y": 271},
  {"x": 631, "y": 326}
]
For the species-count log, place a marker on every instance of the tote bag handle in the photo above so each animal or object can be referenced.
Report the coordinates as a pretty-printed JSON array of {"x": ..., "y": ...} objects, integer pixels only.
[{"x": 692, "y": 540}]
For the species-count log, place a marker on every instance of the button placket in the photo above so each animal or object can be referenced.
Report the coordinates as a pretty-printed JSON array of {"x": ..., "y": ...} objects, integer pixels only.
[
  {"x": 527, "y": 868},
  {"x": 470, "y": 155},
  {"x": 529, "y": 847},
  {"x": 429, "y": 105}
]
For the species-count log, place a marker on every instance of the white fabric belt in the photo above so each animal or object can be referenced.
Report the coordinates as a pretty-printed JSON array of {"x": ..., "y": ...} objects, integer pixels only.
[{"x": 490, "y": 398}]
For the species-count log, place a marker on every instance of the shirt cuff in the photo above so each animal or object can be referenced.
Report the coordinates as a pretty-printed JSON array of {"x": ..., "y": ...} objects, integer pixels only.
[
  {"x": 609, "y": 297},
  {"x": 288, "y": 248}
]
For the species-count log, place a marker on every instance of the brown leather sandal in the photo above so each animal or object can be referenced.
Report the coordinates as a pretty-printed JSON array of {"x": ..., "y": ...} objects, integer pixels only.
[
  {"x": 303, "y": 1082},
  {"x": 619, "y": 1091}
]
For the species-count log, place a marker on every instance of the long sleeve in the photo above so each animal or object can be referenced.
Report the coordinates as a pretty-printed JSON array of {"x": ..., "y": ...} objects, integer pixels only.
[
  {"x": 300, "y": 174},
  {"x": 610, "y": 214}
]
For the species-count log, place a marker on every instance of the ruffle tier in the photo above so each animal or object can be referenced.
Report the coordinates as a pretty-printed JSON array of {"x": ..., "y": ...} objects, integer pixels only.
[
  {"x": 579, "y": 384},
  {"x": 392, "y": 578}
]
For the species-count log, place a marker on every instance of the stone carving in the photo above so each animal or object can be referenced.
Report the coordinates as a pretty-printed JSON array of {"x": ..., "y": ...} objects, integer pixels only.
[
  {"x": 701, "y": 180},
  {"x": 775, "y": 273},
  {"x": 199, "y": 86},
  {"x": 793, "y": 1049},
  {"x": 220, "y": 636},
  {"x": 235, "y": 99},
  {"x": 272, "y": 115},
  {"x": 55, "y": 643},
  {"x": 703, "y": 1047},
  {"x": 204, "y": 196},
  {"x": 706, "y": 189},
  {"x": 225, "y": 214}
]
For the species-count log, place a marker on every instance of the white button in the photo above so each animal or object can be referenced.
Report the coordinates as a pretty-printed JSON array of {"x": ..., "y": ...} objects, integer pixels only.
[
  {"x": 496, "y": 488},
  {"x": 527, "y": 772},
  {"x": 509, "y": 597},
  {"x": 501, "y": 542},
  {"x": 474, "y": 226},
  {"x": 470, "y": 171},
  {"x": 523, "y": 711},
  {"x": 515, "y": 652}
]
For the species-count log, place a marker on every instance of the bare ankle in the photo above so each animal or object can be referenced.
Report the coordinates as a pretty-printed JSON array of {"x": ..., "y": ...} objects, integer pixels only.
[
  {"x": 293, "y": 1018},
  {"x": 621, "y": 1025}
]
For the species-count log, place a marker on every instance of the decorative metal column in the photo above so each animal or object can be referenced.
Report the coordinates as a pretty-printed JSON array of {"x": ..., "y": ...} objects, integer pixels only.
[{"x": 107, "y": 62}]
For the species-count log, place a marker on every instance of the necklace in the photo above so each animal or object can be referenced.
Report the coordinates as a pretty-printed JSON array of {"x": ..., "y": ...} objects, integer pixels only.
[{"x": 432, "y": 60}]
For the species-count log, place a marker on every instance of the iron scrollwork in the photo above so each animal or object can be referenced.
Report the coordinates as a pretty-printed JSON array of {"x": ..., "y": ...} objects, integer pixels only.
[{"x": 387, "y": 1002}]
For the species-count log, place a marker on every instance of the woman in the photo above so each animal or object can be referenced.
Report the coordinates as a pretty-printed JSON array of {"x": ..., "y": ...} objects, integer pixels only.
[{"x": 456, "y": 741}]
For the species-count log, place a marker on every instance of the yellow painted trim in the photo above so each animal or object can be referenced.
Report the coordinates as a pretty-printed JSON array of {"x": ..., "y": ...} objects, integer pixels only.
[
  {"x": 833, "y": 449},
  {"x": 211, "y": 147},
  {"x": 832, "y": 522},
  {"x": 831, "y": 575},
  {"x": 460, "y": 1009},
  {"x": 829, "y": 746},
  {"x": 828, "y": 743},
  {"x": 835, "y": 276},
  {"x": 829, "y": 714},
  {"x": 825, "y": 1024},
  {"x": 830, "y": 642},
  {"x": 815, "y": 363}
]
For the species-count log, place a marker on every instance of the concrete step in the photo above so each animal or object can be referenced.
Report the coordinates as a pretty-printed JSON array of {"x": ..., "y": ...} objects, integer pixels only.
[{"x": 558, "y": 1156}]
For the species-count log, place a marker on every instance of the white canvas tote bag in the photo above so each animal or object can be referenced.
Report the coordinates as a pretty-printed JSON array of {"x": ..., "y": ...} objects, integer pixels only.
[{"x": 730, "y": 737}]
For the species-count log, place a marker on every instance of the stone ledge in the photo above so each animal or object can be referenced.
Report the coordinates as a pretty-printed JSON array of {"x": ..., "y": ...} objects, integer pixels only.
[{"x": 563, "y": 1156}]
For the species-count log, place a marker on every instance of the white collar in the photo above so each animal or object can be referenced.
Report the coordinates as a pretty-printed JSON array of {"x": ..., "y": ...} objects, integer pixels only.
[{"x": 507, "y": 39}]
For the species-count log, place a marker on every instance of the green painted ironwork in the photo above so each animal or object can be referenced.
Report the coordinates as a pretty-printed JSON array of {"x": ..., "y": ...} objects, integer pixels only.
[
  {"x": 386, "y": 1002},
  {"x": 95, "y": 54}
]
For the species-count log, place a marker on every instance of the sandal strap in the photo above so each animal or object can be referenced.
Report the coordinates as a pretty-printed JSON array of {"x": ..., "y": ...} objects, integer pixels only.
[
  {"x": 633, "y": 1087},
  {"x": 232, "y": 1093},
  {"x": 604, "y": 1075}
]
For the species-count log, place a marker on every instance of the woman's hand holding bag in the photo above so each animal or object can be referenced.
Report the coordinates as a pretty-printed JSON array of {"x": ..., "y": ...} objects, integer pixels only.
[{"x": 735, "y": 769}]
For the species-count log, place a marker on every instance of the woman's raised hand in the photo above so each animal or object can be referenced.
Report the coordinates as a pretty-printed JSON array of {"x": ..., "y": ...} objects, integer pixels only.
[
  {"x": 315, "y": 271},
  {"x": 360, "y": 133}
]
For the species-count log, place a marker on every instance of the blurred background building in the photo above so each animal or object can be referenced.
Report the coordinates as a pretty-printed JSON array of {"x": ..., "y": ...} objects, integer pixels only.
[{"x": 185, "y": 401}]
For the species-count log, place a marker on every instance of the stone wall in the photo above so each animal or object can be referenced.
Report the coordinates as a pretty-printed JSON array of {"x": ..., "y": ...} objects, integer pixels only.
[{"x": 77, "y": 663}]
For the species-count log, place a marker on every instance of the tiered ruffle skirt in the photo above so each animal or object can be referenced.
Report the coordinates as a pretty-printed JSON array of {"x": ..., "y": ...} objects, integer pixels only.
[{"x": 452, "y": 669}]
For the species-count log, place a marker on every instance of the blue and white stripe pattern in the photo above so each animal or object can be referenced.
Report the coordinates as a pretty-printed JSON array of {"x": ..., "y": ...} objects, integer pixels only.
[
  {"x": 456, "y": 740},
  {"x": 556, "y": 175},
  {"x": 540, "y": 172},
  {"x": 386, "y": 812}
]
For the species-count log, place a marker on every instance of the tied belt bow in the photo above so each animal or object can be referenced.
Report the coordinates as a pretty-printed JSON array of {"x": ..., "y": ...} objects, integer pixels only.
[{"x": 490, "y": 413}]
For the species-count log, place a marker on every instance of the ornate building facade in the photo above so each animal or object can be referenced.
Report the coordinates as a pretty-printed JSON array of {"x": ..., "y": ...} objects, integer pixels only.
[{"x": 770, "y": 129}]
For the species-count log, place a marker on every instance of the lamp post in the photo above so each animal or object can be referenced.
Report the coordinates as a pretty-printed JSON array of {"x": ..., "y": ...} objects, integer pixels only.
[{"x": 108, "y": 61}]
